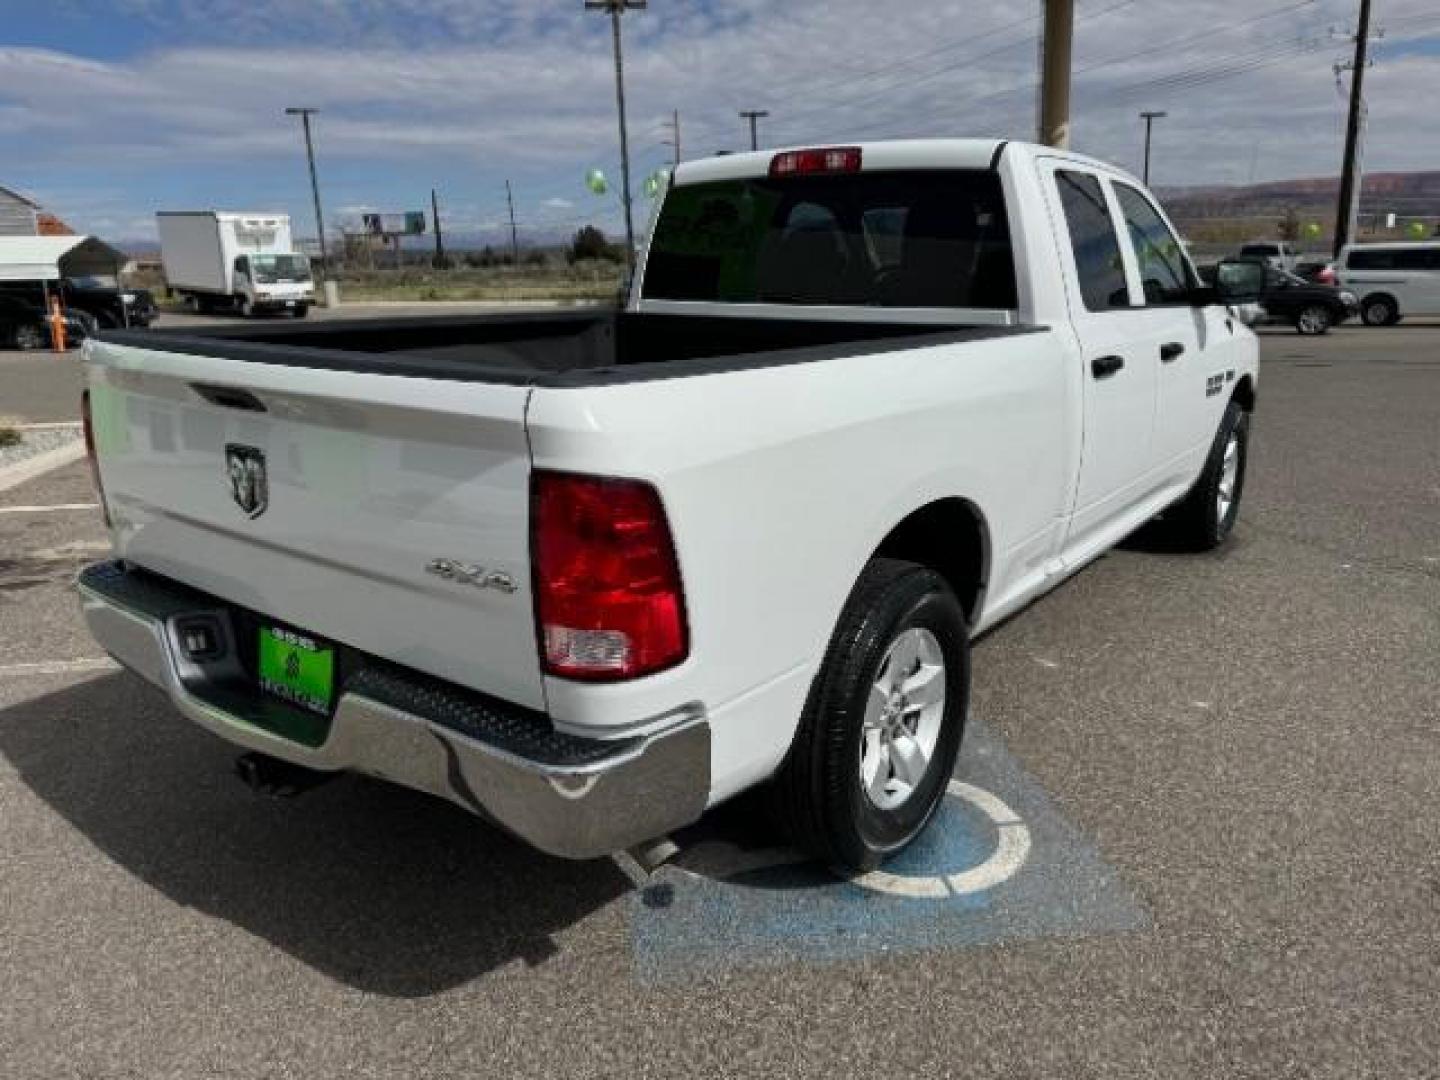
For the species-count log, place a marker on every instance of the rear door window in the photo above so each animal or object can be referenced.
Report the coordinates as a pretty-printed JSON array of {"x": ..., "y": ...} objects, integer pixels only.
[
  {"x": 921, "y": 239},
  {"x": 1098, "y": 262}
]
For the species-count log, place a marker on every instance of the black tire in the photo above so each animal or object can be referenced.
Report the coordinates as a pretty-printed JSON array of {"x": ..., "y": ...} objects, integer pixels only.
[
  {"x": 818, "y": 794},
  {"x": 1314, "y": 319},
  {"x": 1195, "y": 523},
  {"x": 29, "y": 337},
  {"x": 301, "y": 310},
  {"x": 1380, "y": 310}
]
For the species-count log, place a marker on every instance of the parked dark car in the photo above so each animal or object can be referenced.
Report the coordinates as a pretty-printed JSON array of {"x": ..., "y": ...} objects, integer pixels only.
[
  {"x": 24, "y": 324},
  {"x": 1309, "y": 307},
  {"x": 111, "y": 307}
]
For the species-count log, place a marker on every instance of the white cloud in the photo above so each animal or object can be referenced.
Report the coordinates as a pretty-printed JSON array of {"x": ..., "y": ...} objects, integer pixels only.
[{"x": 507, "y": 88}]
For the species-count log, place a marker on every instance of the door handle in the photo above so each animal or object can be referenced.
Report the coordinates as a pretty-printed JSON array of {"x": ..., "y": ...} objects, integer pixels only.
[
  {"x": 1102, "y": 367},
  {"x": 1171, "y": 351}
]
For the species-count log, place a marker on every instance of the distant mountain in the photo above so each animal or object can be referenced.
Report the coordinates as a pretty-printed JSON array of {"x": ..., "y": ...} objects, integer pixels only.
[{"x": 1412, "y": 193}]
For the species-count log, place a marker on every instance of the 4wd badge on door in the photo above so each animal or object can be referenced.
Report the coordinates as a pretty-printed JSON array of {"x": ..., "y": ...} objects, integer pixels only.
[{"x": 248, "y": 485}]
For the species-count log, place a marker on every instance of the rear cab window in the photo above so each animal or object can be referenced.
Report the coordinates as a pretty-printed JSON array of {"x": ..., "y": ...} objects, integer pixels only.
[{"x": 890, "y": 239}]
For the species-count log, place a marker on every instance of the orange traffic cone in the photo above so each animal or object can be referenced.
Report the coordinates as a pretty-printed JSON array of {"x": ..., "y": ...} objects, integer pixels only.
[{"x": 57, "y": 325}]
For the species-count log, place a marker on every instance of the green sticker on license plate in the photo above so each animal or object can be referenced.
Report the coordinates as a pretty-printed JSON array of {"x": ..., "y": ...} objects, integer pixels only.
[{"x": 295, "y": 668}]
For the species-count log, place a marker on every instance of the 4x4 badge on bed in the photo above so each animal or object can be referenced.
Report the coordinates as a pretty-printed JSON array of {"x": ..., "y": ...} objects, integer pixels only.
[
  {"x": 248, "y": 484},
  {"x": 465, "y": 574}
]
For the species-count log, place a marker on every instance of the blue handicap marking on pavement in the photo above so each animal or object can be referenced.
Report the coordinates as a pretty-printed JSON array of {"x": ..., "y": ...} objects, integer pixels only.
[{"x": 998, "y": 863}]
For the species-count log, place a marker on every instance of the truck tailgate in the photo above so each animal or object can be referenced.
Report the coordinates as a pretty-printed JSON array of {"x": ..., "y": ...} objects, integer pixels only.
[{"x": 367, "y": 480}]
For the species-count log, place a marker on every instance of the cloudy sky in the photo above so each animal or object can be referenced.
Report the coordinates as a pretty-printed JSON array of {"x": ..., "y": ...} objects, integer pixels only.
[{"x": 110, "y": 111}]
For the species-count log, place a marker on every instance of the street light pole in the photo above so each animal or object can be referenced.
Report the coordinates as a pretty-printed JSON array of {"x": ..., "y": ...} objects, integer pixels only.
[
  {"x": 1150, "y": 118},
  {"x": 753, "y": 115},
  {"x": 616, "y": 8},
  {"x": 305, "y": 115}
]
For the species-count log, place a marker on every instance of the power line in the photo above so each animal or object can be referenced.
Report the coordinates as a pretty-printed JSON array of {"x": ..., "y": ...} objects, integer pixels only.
[
  {"x": 939, "y": 72},
  {"x": 804, "y": 89},
  {"x": 893, "y": 77},
  {"x": 1161, "y": 47}
]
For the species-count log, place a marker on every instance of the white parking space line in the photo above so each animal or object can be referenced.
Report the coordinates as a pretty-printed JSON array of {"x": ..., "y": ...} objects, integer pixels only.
[
  {"x": 57, "y": 508},
  {"x": 58, "y": 667},
  {"x": 48, "y": 425},
  {"x": 40, "y": 464}
]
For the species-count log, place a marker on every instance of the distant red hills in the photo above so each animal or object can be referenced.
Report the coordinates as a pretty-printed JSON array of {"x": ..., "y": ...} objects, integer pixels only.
[{"x": 1397, "y": 192}]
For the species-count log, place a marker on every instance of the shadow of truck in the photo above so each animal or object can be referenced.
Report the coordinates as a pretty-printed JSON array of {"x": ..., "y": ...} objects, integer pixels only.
[{"x": 389, "y": 891}]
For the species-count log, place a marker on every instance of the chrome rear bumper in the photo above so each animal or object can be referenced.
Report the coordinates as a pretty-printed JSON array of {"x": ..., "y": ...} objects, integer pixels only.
[{"x": 575, "y": 798}]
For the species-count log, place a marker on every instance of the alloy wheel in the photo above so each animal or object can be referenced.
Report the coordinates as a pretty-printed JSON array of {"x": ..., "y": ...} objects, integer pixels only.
[{"x": 903, "y": 717}]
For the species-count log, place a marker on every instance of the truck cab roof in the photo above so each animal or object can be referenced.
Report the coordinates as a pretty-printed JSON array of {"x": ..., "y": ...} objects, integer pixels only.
[{"x": 891, "y": 154}]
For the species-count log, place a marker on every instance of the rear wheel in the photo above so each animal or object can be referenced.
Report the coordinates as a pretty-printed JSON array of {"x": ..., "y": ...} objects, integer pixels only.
[
  {"x": 1314, "y": 319},
  {"x": 302, "y": 310},
  {"x": 878, "y": 739},
  {"x": 1380, "y": 311}
]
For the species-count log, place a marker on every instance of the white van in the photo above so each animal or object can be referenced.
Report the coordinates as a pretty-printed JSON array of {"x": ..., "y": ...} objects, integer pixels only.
[{"x": 1392, "y": 280}]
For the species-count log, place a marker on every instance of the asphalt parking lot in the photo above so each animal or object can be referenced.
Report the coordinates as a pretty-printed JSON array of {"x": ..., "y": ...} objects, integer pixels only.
[{"x": 1193, "y": 833}]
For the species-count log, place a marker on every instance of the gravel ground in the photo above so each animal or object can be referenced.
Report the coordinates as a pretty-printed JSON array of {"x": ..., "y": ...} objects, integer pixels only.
[{"x": 37, "y": 441}]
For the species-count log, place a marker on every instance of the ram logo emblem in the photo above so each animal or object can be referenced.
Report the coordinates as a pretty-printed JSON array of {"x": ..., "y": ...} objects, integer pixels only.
[{"x": 249, "y": 486}]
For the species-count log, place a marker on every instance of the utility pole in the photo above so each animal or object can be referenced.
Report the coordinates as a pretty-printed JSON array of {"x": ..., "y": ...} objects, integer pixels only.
[
  {"x": 1055, "y": 73},
  {"x": 1345, "y": 211},
  {"x": 305, "y": 114},
  {"x": 1150, "y": 118},
  {"x": 435, "y": 219},
  {"x": 616, "y": 8},
  {"x": 753, "y": 115},
  {"x": 514, "y": 236},
  {"x": 674, "y": 141}
]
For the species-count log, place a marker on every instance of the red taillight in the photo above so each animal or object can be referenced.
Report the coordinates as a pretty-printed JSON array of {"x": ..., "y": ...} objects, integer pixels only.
[
  {"x": 89, "y": 427},
  {"x": 608, "y": 598},
  {"x": 836, "y": 159}
]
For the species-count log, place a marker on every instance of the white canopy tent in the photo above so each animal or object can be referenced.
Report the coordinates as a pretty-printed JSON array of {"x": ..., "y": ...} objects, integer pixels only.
[{"x": 47, "y": 258}]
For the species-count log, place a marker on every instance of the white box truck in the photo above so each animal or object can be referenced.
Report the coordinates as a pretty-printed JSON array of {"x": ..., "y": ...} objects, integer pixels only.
[{"x": 241, "y": 261}]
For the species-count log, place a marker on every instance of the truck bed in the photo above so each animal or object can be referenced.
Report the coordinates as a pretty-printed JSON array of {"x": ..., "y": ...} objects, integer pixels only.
[{"x": 550, "y": 349}]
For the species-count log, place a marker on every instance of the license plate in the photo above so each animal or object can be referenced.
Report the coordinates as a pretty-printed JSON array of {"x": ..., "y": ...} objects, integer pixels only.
[
  {"x": 289, "y": 303},
  {"x": 297, "y": 669}
]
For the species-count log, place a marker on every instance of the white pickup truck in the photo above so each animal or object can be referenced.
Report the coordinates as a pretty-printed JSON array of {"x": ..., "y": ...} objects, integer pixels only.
[{"x": 588, "y": 574}]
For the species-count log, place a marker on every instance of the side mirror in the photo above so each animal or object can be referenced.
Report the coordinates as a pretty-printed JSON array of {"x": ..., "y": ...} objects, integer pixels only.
[{"x": 1239, "y": 281}]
